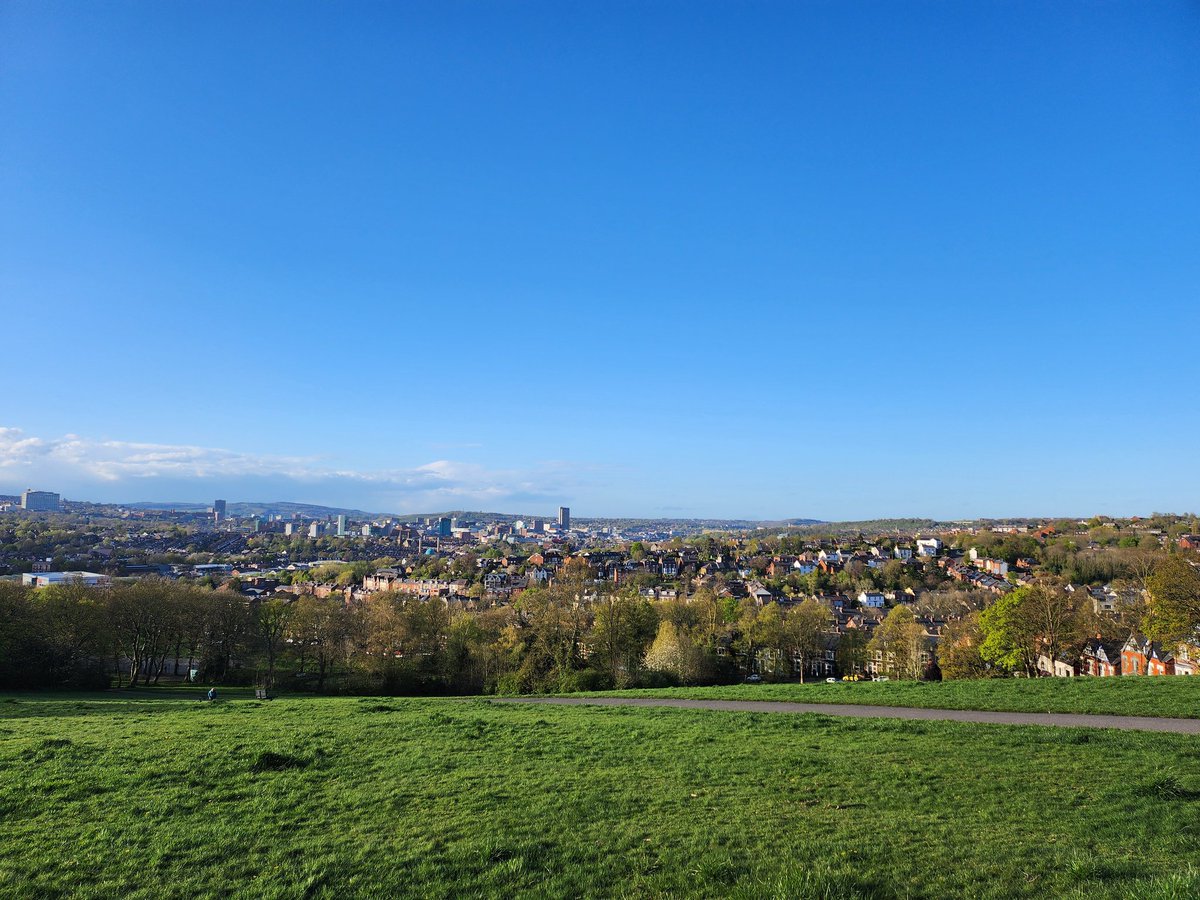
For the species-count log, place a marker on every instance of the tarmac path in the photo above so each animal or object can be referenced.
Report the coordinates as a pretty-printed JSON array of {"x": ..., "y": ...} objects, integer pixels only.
[{"x": 1065, "y": 720}]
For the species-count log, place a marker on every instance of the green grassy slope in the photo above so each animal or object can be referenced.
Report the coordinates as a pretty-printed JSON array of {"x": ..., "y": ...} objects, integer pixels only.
[
  {"x": 443, "y": 798},
  {"x": 1170, "y": 697}
]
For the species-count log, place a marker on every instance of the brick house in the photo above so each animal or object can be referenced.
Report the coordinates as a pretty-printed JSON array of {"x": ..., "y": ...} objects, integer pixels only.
[
  {"x": 1100, "y": 658},
  {"x": 1140, "y": 656},
  {"x": 780, "y": 566}
]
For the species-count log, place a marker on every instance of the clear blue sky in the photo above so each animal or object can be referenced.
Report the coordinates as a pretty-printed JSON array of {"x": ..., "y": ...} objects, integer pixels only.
[{"x": 835, "y": 260}]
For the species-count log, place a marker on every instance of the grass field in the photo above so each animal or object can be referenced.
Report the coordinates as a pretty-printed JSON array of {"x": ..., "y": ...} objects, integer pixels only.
[
  {"x": 105, "y": 797},
  {"x": 1177, "y": 698}
]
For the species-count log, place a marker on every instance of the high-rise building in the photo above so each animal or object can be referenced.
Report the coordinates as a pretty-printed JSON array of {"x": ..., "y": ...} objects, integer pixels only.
[
  {"x": 40, "y": 501},
  {"x": 289, "y": 529},
  {"x": 564, "y": 518},
  {"x": 218, "y": 510},
  {"x": 341, "y": 525},
  {"x": 314, "y": 530},
  {"x": 444, "y": 526}
]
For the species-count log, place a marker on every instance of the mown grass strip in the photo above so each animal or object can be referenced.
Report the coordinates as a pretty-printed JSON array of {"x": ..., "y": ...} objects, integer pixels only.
[{"x": 1167, "y": 697}]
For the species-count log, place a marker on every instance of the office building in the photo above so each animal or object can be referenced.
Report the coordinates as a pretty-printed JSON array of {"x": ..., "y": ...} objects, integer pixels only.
[
  {"x": 45, "y": 579},
  {"x": 218, "y": 510},
  {"x": 40, "y": 501},
  {"x": 341, "y": 526},
  {"x": 564, "y": 518},
  {"x": 444, "y": 526}
]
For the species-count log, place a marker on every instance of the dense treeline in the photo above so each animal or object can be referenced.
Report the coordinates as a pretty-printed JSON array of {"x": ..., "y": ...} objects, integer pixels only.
[
  {"x": 559, "y": 638},
  {"x": 73, "y": 635},
  {"x": 575, "y": 634}
]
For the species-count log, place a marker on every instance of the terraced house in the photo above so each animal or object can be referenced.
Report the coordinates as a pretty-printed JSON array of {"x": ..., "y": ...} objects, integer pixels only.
[
  {"x": 1100, "y": 658},
  {"x": 1141, "y": 656}
]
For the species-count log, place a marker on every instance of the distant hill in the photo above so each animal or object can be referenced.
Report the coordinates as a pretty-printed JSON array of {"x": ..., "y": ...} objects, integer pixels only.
[
  {"x": 285, "y": 508},
  {"x": 149, "y": 504},
  {"x": 315, "y": 511},
  {"x": 624, "y": 523},
  {"x": 874, "y": 526},
  {"x": 261, "y": 508}
]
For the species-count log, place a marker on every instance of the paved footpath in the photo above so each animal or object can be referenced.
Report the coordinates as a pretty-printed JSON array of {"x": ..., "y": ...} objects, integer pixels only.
[{"x": 1070, "y": 720}]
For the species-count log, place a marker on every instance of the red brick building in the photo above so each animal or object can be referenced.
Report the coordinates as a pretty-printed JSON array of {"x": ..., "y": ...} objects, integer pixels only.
[
  {"x": 1100, "y": 659},
  {"x": 1140, "y": 656}
]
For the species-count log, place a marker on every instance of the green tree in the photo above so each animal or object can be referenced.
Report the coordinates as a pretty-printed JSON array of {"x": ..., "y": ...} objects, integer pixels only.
[
  {"x": 272, "y": 618},
  {"x": 75, "y": 629},
  {"x": 959, "y": 655},
  {"x": 542, "y": 643},
  {"x": 1054, "y": 616},
  {"x": 471, "y": 659},
  {"x": 1009, "y": 630},
  {"x": 1035, "y": 620},
  {"x": 624, "y": 625},
  {"x": 899, "y": 640},
  {"x": 146, "y": 621},
  {"x": 22, "y": 651},
  {"x": 1174, "y": 607},
  {"x": 851, "y": 653},
  {"x": 673, "y": 653},
  {"x": 318, "y": 629},
  {"x": 806, "y": 630},
  {"x": 1009, "y": 636},
  {"x": 228, "y": 633}
]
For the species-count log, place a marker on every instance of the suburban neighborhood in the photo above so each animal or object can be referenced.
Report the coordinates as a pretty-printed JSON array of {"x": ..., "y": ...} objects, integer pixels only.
[{"x": 786, "y": 601}]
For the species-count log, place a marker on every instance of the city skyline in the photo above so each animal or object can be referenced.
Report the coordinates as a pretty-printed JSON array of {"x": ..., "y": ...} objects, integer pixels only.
[
  {"x": 430, "y": 490},
  {"x": 837, "y": 261}
]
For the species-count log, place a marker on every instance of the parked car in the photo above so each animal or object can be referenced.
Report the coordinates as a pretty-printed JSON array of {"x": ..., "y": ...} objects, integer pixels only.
[{"x": 753, "y": 678}]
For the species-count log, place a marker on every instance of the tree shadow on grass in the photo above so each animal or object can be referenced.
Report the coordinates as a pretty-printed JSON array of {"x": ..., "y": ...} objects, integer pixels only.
[{"x": 49, "y": 705}]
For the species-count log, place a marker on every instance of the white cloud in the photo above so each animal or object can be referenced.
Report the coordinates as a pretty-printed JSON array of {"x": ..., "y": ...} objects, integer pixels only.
[
  {"x": 116, "y": 460},
  {"x": 109, "y": 469}
]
